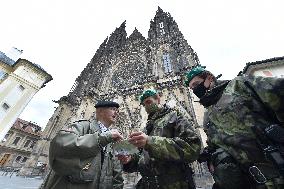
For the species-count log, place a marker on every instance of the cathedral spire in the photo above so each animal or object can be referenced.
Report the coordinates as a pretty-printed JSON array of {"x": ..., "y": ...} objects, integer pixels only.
[
  {"x": 123, "y": 24},
  {"x": 162, "y": 27},
  {"x": 159, "y": 10},
  {"x": 117, "y": 39},
  {"x": 136, "y": 35}
]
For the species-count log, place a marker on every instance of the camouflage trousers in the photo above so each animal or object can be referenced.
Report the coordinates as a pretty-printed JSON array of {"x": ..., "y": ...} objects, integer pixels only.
[
  {"x": 227, "y": 174},
  {"x": 277, "y": 183}
]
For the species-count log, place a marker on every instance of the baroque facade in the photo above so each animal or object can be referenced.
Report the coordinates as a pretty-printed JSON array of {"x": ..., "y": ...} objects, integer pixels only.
[
  {"x": 18, "y": 144},
  {"x": 120, "y": 70}
]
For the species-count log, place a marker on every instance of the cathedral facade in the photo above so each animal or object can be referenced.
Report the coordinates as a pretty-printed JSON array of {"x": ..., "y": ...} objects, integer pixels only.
[{"x": 120, "y": 70}]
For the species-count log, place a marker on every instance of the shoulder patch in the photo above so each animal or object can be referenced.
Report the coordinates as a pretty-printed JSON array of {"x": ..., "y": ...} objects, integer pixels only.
[
  {"x": 177, "y": 110},
  {"x": 81, "y": 120},
  {"x": 83, "y": 123},
  {"x": 69, "y": 128}
]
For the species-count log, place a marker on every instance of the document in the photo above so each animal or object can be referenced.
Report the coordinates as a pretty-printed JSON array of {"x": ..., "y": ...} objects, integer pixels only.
[{"x": 124, "y": 148}]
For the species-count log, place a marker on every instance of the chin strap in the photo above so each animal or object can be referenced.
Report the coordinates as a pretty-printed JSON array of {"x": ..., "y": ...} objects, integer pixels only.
[{"x": 218, "y": 76}]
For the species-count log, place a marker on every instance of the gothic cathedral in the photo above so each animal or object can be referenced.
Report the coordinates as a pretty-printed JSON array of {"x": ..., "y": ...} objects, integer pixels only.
[{"x": 120, "y": 70}]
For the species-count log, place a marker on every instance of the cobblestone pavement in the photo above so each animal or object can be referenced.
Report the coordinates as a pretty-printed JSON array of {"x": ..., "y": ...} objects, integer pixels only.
[{"x": 14, "y": 182}]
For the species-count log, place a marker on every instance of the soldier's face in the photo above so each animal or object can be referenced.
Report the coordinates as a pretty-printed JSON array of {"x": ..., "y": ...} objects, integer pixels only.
[
  {"x": 151, "y": 104},
  {"x": 208, "y": 82},
  {"x": 110, "y": 114},
  {"x": 195, "y": 82}
]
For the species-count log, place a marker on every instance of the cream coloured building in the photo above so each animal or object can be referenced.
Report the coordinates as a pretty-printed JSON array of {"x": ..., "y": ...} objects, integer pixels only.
[
  {"x": 19, "y": 81},
  {"x": 273, "y": 67}
]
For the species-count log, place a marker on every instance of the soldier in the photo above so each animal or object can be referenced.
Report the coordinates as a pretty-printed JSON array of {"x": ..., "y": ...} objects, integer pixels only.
[
  {"x": 168, "y": 145},
  {"x": 244, "y": 125},
  {"x": 80, "y": 155}
]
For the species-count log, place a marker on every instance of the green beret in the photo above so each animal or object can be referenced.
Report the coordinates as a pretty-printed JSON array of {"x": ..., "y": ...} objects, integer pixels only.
[
  {"x": 147, "y": 93},
  {"x": 192, "y": 73}
]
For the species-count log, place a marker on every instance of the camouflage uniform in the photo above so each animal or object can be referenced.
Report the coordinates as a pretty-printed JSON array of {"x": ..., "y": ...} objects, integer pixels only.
[
  {"x": 233, "y": 109},
  {"x": 81, "y": 157},
  {"x": 172, "y": 145}
]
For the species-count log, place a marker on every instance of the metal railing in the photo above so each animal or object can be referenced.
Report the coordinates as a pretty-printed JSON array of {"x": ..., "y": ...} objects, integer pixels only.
[{"x": 9, "y": 171}]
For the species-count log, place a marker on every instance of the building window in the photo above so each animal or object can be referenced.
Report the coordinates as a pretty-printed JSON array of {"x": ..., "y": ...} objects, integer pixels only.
[
  {"x": 16, "y": 140},
  {"x": 5, "y": 106},
  {"x": 4, "y": 159},
  {"x": 18, "y": 158},
  {"x": 167, "y": 63},
  {"x": 21, "y": 87},
  {"x": 6, "y": 137},
  {"x": 32, "y": 144},
  {"x": 24, "y": 126},
  {"x": 24, "y": 159},
  {"x": 2, "y": 75},
  {"x": 27, "y": 143}
]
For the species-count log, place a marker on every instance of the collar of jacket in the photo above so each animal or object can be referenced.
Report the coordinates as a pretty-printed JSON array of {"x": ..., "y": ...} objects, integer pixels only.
[
  {"x": 151, "y": 118},
  {"x": 160, "y": 113},
  {"x": 213, "y": 95},
  {"x": 94, "y": 126}
]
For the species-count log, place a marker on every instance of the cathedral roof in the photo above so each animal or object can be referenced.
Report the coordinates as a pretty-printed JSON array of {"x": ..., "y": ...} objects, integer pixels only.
[
  {"x": 27, "y": 127},
  {"x": 117, "y": 39}
]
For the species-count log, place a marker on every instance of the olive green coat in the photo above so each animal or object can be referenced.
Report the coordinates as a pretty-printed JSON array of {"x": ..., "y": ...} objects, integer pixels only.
[{"x": 75, "y": 157}]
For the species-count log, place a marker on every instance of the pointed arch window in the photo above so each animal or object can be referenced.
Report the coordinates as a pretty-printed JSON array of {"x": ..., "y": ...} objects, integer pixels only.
[
  {"x": 162, "y": 31},
  {"x": 167, "y": 63}
]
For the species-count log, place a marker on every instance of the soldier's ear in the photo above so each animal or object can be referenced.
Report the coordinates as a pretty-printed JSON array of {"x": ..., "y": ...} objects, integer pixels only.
[{"x": 159, "y": 99}]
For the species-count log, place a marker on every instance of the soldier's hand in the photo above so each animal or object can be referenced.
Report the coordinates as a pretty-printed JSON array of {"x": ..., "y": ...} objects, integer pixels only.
[
  {"x": 124, "y": 159},
  {"x": 138, "y": 139},
  {"x": 116, "y": 136}
]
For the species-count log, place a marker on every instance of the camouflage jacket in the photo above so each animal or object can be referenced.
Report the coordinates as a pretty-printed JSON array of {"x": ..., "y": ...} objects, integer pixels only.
[
  {"x": 241, "y": 104},
  {"x": 172, "y": 144},
  {"x": 75, "y": 156}
]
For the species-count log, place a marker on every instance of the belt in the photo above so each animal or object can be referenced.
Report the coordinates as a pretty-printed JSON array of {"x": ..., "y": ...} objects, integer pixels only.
[{"x": 76, "y": 180}]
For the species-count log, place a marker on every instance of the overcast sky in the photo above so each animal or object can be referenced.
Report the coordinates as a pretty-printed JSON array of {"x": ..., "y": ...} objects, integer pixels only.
[{"x": 63, "y": 35}]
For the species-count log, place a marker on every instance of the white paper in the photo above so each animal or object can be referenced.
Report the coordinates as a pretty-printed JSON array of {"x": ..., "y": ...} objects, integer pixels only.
[{"x": 124, "y": 148}]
